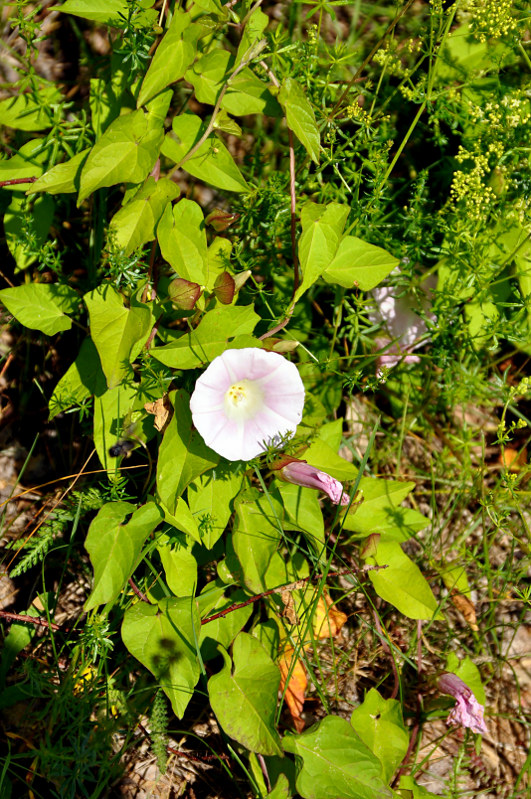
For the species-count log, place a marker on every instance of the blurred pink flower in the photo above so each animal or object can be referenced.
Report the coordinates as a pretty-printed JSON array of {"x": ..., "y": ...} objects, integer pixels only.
[
  {"x": 467, "y": 712},
  {"x": 247, "y": 400},
  {"x": 406, "y": 329},
  {"x": 302, "y": 474}
]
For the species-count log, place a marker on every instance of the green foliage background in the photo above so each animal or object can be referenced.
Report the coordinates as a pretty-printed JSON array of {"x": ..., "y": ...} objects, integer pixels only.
[{"x": 245, "y": 175}]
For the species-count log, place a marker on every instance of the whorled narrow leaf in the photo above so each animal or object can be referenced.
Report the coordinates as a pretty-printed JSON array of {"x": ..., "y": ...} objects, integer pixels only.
[{"x": 37, "y": 214}]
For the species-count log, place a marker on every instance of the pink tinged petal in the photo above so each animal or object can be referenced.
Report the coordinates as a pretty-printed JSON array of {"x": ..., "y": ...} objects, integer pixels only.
[
  {"x": 467, "y": 712},
  {"x": 392, "y": 355},
  {"x": 404, "y": 325},
  {"x": 246, "y": 400},
  {"x": 301, "y": 473}
]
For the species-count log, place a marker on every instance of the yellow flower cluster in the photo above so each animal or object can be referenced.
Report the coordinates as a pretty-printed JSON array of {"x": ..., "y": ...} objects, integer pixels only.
[
  {"x": 391, "y": 63},
  {"x": 357, "y": 113},
  {"x": 524, "y": 386},
  {"x": 469, "y": 187},
  {"x": 414, "y": 93},
  {"x": 489, "y": 19},
  {"x": 312, "y": 35},
  {"x": 512, "y": 111}
]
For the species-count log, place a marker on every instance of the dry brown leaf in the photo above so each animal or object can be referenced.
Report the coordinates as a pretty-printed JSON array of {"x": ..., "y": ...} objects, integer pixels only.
[
  {"x": 293, "y": 678},
  {"x": 327, "y": 620},
  {"x": 464, "y": 605},
  {"x": 161, "y": 409},
  {"x": 289, "y": 607},
  {"x": 513, "y": 459}
]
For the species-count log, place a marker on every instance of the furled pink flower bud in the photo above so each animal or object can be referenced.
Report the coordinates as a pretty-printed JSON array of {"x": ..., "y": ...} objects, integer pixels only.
[
  {"x": 467, "y": 712},
  {"x": 302, "y": 474}
]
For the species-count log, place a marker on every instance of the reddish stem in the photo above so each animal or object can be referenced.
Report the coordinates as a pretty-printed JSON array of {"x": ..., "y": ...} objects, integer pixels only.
[
  {"x": 16, "y": 181},
  {"x": 281, "y": 588},
  {"x": 38, "y": 622},
  {"x": 387, "y": 650},
  {"x": 137, "y": 590},
  {"x": 293, "y": 196}
]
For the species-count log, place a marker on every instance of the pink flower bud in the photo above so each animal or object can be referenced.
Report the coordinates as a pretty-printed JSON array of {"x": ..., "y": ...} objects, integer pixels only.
[
  {"x": 467, "y": 712},
  {"x": 302, "y": 474}
]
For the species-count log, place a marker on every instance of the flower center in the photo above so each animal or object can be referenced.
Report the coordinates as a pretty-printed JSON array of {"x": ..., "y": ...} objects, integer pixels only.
[{"x": 243, "y": 400}]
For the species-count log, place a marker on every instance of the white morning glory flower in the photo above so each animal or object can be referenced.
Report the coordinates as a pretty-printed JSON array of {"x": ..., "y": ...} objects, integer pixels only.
[
  {"x": 246, "y": 400},
  {"x": 407, "y": 330}
]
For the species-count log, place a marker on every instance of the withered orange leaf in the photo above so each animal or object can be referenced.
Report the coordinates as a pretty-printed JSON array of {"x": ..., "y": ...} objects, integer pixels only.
[{"x": 294, "y": 680}]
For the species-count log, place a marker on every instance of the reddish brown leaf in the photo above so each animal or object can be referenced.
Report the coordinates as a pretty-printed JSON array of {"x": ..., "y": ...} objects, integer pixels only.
[
  {"x": 224, "y": 288},
  {"x": 184, "y": 293}
]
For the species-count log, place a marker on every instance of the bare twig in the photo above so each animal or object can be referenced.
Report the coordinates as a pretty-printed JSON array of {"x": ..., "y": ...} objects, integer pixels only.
[
  {"x": 293, "y": 206},
  {"x": 151, "y": 280},
  {"x": 287, "y": 587},
  {"x": 35, "y": 620},
  {"x": 5, "y": 367},
  {"x": 154, "y": 331},
  {"x": 246, "y": 18},
  {"x": 137, "y": 590},
  {"x": 416, "y": 726},
  {"x": 263, "y": 766},
  {"x": 34, "y": 489},
  {"x": 293, "y": 197},
  {"x": 17, "y": 181},
  {"x": 387, "y": 650}
]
